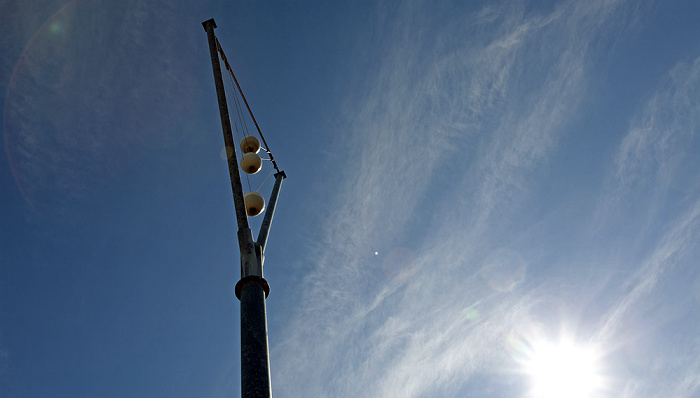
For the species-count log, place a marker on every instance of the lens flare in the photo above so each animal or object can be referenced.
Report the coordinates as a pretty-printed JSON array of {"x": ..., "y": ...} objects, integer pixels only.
[{"x": 503, "y": 270}]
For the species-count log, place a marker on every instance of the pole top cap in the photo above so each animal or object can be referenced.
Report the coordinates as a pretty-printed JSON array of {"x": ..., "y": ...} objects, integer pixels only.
[
  {"x": 281, "y": 173},
  {"x": 209, "y": 22}
]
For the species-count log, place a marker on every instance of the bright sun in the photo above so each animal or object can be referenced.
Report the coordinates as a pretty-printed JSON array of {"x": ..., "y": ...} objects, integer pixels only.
[{"x": 563, "y": 370}]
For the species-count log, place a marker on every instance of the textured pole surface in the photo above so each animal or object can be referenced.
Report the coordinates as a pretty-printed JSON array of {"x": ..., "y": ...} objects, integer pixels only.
[
  {"x": 249, "y": 261},
  {"x": 270, "y": 212},
  {"x": 236, "y": 186},
  {"x": 255, "y": 361}
]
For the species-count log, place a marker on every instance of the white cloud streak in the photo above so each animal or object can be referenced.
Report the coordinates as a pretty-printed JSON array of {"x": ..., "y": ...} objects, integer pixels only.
[
  {"x": 489, "y": 109},
  {"x": 652, "y": 164}
]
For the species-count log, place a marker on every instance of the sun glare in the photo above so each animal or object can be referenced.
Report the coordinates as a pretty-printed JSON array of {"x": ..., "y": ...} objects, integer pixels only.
[{"x": 563, "y": 370}]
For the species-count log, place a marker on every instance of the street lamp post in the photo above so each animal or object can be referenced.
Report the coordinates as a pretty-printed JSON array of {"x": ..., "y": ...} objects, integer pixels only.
[{"x": 251, "y": 289}]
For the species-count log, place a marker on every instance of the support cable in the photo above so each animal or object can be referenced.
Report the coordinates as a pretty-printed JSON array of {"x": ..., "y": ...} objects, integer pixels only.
[
  {"x": 238, "y": 119},
  {"x": 228, "y": 68},
  {"x": 239, "y": 109},
  {"x": 265, "y": 180}
]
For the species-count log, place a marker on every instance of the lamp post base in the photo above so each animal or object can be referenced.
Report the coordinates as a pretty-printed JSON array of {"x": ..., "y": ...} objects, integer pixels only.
[{"x": 255, "y": 362}]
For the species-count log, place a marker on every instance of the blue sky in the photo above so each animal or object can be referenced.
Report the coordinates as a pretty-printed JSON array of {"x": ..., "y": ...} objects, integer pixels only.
[{"x": 484, "y": 198}]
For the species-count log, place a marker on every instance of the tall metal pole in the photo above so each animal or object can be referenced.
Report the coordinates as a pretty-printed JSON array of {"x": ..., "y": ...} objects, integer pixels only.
[{"x": 252, "y": 289}]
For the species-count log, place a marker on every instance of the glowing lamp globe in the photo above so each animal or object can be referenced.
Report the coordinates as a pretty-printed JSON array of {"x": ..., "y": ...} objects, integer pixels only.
[
  {"x": 254, "y": 203},
  {"x": 251, "y": 163},
  {"x": 250, "y": 144}
]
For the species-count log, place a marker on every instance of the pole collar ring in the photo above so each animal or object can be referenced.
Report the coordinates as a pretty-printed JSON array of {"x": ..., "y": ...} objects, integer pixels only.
[{"x": 252, "y": 279}]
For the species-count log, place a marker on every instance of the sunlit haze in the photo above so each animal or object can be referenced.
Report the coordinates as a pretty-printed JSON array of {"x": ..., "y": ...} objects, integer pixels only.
[
  {"x": 563, "y": 369},
  {"x": 493, "y": 199}
]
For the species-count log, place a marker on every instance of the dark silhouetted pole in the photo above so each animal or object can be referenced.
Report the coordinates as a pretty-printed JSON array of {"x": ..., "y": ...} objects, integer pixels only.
[{"x": 252, "y": 289}]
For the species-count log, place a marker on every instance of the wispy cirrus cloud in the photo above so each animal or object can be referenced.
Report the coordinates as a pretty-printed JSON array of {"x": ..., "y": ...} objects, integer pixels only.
[
  {"x": 461, "y": 111},
  {"x": 655, "y": 143},
  {"x": 655, "y": 178}
]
